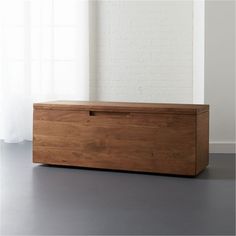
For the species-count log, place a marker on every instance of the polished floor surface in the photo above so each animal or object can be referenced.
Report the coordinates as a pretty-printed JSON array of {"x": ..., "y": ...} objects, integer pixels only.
[{"x": 44, "y": 200}]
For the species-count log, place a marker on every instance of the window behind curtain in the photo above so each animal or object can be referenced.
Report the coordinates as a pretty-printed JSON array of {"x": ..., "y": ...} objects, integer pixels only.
[{"x": 43, "y": 56}]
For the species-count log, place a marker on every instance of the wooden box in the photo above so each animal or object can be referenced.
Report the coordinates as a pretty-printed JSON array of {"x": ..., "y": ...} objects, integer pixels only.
[{"x": 148, "y": 137}]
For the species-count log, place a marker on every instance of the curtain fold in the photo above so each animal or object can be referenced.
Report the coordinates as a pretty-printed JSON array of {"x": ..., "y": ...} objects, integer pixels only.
[{"x": 44, "y": 50}]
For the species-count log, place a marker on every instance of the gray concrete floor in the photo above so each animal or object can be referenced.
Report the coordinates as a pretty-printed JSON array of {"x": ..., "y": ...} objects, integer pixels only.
[{"x": 40, "y": 200}]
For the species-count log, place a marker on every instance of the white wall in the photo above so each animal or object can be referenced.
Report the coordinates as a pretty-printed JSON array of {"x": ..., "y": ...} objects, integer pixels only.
[
  {"x": 220, "y": 73},
  {"x": 144, "y": 51}
]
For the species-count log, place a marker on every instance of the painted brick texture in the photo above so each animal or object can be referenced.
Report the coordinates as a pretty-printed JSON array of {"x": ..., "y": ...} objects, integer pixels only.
[{"x": 144, "y": 51}]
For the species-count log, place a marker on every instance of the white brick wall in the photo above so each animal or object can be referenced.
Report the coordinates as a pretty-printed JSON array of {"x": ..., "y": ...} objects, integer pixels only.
[{"x": 144, "y": 51}]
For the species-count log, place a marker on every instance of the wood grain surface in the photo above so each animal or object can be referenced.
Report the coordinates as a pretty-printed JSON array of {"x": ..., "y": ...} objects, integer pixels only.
[
  {"x": 119, "y": 139},
  {"x": 202, "y": 155},
  {"x": 124, "y": 106}
]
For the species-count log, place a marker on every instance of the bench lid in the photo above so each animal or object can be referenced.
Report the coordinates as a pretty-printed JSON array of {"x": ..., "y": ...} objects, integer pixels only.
[{"x": 172, "y": 108}]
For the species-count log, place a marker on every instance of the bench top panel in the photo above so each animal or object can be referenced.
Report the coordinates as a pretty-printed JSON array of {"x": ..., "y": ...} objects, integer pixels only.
[{"x": 172, "y": 108}]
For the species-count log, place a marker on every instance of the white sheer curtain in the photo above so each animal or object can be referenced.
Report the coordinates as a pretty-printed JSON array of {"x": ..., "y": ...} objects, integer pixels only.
[{"x": 43, "y": 56}]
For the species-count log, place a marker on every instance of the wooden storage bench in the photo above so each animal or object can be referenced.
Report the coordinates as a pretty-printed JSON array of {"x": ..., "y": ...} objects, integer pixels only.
[{"x": 148, "y": 137}]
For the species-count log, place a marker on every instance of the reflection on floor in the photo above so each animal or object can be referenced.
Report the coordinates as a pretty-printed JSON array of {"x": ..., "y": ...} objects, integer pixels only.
[{"x": 38, "y": 199}]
